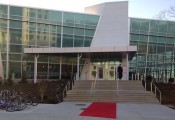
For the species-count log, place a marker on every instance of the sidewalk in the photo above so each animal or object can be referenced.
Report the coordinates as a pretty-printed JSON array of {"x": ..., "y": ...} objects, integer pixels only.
[{"x": 71, "y": 111}]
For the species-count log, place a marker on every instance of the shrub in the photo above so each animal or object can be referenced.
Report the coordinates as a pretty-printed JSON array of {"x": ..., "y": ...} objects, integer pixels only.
[
  {"x": 42, "y": 85},
  {"x": 51, "y": 100},
  {"x": 9, "y": 82},
  {"x": 170, "y": 80},
  {"x": 23, "y": 79},
  {"x": 149, "y": 78}
]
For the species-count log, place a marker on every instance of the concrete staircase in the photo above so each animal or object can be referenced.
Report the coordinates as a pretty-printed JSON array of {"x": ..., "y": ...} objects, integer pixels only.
[{"x": 106, "y": 90}]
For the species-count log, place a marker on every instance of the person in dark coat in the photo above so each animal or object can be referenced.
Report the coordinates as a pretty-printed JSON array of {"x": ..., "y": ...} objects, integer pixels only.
[{"x": 120, "y": 72}]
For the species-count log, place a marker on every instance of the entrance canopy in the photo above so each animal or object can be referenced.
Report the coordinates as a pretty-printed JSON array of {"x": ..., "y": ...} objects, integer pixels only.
[{"x": 88, "y": 52}]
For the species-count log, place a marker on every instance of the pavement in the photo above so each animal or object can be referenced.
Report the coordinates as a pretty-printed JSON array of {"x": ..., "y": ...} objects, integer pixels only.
[{"x": 71, "y": 111}]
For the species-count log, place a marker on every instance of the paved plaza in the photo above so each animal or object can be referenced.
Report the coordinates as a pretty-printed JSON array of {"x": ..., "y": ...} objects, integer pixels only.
[{"x": 71, "y": 111}]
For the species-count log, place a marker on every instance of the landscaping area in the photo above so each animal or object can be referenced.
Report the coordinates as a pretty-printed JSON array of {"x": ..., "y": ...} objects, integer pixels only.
[
  {"x": 47, "y": 91},
  {"x": 167, "y": 90}
]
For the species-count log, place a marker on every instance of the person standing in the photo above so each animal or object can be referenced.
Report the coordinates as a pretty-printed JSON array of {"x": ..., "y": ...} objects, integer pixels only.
[{"x": 120, "y": 72}]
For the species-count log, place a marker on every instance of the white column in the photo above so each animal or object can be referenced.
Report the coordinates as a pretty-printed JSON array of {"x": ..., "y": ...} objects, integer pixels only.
[
  {"x": 35, "y": 68},
  {"x": 8, "y": 49},
  {"x": 78, "y": 67},
  {"x": 60, "y": 68},
  {"x": 1, "y": 68},
  {"x": 125, "y": 67}
]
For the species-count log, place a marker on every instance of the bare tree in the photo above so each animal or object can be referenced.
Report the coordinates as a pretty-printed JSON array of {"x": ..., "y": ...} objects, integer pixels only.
[
  {"x": 168, "y": 14},
  {"x": 42, "y": 88}
]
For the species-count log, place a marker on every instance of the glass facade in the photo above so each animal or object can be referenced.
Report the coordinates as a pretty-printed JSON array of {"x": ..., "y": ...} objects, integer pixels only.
[
  {"x": 22, "y": 27},
  {"x": 156, "y": 44}
]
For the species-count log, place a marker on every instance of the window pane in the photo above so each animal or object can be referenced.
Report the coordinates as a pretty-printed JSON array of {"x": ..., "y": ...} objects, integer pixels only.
[
  {"x": 92, "y": 19},
  {"x": 15, "y": 36},
  {"x": 58, "y": 40},
  {"x": 153, "y": 38},
  {"x": 162, "y": 27},
  {"x": 144, "y": 26},
  {"x": 15, "y": 69},
  {"x": 135, "y": 24},
  {"x": 15, "y": 24},
  {"x": 32, "y": 38},
  {"x": 68, "y": 18},
  {"x": 154, "y": 27},
  {"x": 3, "y": 11},
  {"x": 32, "y": 13},
  {"x": 15, "y": 48},
  {"x": 3, "y": 35},
  {"x": 53, "y": 41},
  {"x": 32, "y": 26},
  {"x": 67, "y": 41},
  {"x": 171, "y": 27},
  {"x": 78, "y": 41},
  {"x": 87, "y": 41},
  {"x": 55, "y": 17},
  {"x": 53, "y": 28},
  {"x": 160, "y": 48},
  {"x": 43, "y": 39},
  {"x": 161, "y": 39},
  {"x": 89, "y": 32},
  {"x": 68, "y": 30},
  {"x": 79, "y": 31},
  {"x": 142, "y": 48},
  {"x": 15, "y": 57},
  {"x": 170, "y": 40},
  {"x": 79, "y": 20},
  {"x": 15, "y": 12},
  {"x": 144, "y": 38},
  {"x": 3, "y": 23},
  {"x": 152, "y": 48},
  {"x": 134, "y": 37}
]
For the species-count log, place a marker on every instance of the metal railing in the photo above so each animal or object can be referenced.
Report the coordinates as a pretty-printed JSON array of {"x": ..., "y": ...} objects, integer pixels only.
[
  {"x": 68, "y": 87},
  {"x": 156, "y": 89}
]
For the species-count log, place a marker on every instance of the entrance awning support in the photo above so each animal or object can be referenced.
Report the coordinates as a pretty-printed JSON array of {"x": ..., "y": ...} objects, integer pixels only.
[
  {"x": 35, "y": 68},
  {"x": 78, "y": 67}
]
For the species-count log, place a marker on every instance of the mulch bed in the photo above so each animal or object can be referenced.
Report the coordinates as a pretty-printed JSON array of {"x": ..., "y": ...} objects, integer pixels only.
[
  {"x": 49, "y": 95},
  {"x": 167, "y": 90}
]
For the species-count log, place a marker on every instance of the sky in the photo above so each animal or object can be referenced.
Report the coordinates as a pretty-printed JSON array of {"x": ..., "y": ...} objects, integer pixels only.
[{"x": 137, "y": 8}]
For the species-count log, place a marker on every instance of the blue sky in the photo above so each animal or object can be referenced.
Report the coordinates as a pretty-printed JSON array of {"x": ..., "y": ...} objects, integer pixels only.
[{"x": 137, "y": 8}]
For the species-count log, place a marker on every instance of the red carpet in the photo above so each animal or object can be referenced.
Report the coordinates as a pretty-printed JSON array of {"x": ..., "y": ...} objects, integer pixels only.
[{"x": 100, "y": 109}]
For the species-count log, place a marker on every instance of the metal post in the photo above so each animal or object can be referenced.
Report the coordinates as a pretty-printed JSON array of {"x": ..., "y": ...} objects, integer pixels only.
[{"x": 35, "y": 68}]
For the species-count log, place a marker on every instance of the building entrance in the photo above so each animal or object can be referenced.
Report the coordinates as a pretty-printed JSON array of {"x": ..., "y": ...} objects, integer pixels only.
[{"x": 100, "y": 72}]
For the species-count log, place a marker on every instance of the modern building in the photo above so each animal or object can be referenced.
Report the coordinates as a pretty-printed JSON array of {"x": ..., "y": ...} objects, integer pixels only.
[{"x": 50, "y": 44}]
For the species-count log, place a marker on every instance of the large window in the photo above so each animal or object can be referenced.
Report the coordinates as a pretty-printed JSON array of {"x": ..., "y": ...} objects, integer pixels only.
[
  {"x": 67, "y": 41},
  {"x": 78, "y": 41},
  {"x": 16, "y": 36},
  {"x": 68, "y": 19},
  {"x": 16, "y": 13},
  {"x": 3, "y": 11}
]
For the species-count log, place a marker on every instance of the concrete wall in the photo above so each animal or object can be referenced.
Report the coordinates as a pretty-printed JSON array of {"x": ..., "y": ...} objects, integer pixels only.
[{"x": 113, "y": 28}]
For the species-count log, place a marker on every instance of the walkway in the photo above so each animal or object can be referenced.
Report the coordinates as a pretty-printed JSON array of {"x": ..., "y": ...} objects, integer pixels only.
[{"x": 71, "y": 111}]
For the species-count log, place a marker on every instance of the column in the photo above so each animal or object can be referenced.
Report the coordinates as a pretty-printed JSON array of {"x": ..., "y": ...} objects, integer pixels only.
[
  {"x": 35, "y": 68},
  {"x": 125, "y": 67}
]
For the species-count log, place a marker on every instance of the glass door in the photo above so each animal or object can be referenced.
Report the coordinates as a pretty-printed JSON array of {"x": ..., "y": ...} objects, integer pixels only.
[{"x": 100, "y": 72}]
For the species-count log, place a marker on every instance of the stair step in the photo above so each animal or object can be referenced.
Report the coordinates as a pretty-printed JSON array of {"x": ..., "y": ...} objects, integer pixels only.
[{"x": 106, "y": 90}]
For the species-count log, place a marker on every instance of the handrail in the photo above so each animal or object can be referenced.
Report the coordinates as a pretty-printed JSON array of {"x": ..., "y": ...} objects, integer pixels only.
[
  {"x": 156, "y": 89},
  {"x": 67, "y": 87}
]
